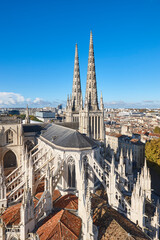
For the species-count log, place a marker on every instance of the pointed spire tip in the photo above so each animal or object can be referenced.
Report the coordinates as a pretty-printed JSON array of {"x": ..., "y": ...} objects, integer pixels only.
[{"x": 91, "y": 37}]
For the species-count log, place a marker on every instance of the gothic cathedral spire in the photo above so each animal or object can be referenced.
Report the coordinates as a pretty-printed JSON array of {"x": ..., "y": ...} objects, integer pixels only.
[
  {"x": 91, "y": 87},
  {"x": 76, "y": 89}
]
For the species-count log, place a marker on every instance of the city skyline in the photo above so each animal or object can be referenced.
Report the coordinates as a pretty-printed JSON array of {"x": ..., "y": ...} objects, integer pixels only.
[{"x": 38, "y": 43}]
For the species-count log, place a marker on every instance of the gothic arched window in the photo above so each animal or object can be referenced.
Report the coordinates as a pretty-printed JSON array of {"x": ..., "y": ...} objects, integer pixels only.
[
  {"x": 86, "y": 168},
  {"x": 9, "y": 136},
  {"x": 71, "y": 172},
  {"x": 10, "y": 160}
]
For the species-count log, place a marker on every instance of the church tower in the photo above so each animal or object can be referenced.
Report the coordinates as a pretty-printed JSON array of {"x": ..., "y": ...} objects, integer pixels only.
[
  {"x": 91, "y": 86},
  {"x": 75, "y": 101},
  {"x": 91, "y": 117},
  {"x": 76, "y": 89}
]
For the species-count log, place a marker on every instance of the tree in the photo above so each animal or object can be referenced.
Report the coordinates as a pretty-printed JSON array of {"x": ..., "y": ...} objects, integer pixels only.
[
  {"x": 152, "y": 151},
  {"x": 157, "y": 130},
  {"x": 33, "y": 118}
]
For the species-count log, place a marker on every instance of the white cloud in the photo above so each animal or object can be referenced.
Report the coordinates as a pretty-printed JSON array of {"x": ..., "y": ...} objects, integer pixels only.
[
  {"x": 10, "y": 99},
  {"x": 38, "y": 100},
  {"x": 7, "y": 98},
  {"x": 28, "y": 100}
]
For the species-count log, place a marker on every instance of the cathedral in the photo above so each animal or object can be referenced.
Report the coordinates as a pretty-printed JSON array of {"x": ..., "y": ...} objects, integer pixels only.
[{"x": 56, "y": 183}]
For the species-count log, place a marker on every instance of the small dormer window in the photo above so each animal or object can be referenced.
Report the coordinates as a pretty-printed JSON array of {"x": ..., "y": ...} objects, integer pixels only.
[{"x": 54, "y": 138}]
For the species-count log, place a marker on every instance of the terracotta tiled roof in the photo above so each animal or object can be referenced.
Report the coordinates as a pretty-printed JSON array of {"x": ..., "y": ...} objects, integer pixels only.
[
  {"x": 101, "y": 193},
  {"x": 37, "y": 196},
  {"x": 68, "y": 201},
  {"x": 138, "y": 132},
  {"x": 115, "y": 232},
  {"x": 40, "y": 187},
  {"x": 11, "y": 216},
  {"x": 134, "y": 140},
  {"x": 62, "y": 225},
  {"x": 154, "y": 134},
  {"x": 110, "y": 221},
  {"x": 56, "y": 195},
  {"x": 114, "y": 134}
]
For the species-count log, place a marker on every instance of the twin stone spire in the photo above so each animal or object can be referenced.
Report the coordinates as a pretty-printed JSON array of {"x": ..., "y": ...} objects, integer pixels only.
[
  {"x": 76, "y": 89},
  {"x": 91, "y": 86},
  {"x": 90, "y": 117}
]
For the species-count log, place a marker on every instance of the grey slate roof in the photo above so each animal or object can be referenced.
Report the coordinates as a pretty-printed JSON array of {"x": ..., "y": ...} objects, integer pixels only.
[
  {"x": 66, "y": 137},
  {"x": 73, "y": 125}
]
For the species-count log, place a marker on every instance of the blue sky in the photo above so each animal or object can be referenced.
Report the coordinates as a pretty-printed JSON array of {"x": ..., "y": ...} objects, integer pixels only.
[{"x": 37, "y": 44}]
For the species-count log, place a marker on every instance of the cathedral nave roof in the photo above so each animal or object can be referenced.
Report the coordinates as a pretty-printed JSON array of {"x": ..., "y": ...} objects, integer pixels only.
[{"x": 67, "y": 138}]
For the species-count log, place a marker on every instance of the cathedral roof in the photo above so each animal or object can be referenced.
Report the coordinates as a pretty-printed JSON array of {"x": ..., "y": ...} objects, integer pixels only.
[
  {"x": 68, "y": 201},
  {"x": 72, "y": 125},
  {"x": 111, "y": 224},
  {"x": 11, "y": 216},
  {"x": 67, "y": 138},
  {"x": 60, "y": 225}
]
